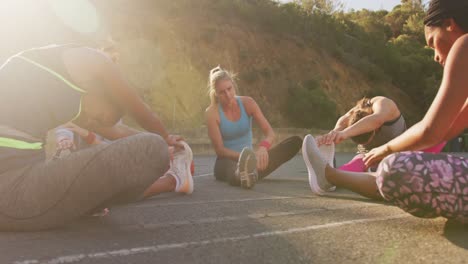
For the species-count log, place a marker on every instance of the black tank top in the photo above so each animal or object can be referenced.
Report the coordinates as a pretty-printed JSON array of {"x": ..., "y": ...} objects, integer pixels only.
[{"x": 36, "y": 95}]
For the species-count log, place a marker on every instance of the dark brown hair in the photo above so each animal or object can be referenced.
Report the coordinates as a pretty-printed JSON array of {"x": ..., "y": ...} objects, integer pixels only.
[
  {"x": 443, "y": 9},
  {"x": 362, "y": 109}
]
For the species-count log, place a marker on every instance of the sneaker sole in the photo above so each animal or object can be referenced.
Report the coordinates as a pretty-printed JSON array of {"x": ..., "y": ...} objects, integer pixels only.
[
  {"x": 188, "y": 186},
  {"x": 248, "y": 165},
  {"x": 328, "y": 152},
  {"x": 312, "y": 176}
]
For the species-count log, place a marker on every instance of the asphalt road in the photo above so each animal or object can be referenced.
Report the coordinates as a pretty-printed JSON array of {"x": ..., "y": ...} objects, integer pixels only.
[{"x": 279, "y": 221}]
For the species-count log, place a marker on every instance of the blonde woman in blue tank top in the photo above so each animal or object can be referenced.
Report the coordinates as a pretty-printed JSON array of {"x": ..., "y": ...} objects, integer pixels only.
[{"x": 229, "y": 121}]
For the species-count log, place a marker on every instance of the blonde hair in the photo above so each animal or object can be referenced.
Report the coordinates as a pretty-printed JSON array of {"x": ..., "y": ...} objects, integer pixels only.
[{"x": 218, "y": 74}]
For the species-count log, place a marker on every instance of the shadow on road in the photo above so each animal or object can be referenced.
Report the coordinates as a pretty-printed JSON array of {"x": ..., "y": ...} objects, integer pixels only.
[{"x": 456, "y": 233}]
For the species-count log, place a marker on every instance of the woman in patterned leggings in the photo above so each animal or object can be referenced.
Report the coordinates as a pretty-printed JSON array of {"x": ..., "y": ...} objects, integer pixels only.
[{"x": 423, "y": 184}]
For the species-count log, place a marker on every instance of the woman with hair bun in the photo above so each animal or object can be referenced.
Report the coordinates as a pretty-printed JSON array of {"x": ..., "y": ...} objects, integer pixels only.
[
  {"x": 422, "y": 184},
  {"x": 371, "y": 123}
]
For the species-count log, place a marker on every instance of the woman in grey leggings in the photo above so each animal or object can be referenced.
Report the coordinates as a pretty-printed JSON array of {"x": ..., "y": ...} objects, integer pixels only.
[{"x": 43, "y": 88}]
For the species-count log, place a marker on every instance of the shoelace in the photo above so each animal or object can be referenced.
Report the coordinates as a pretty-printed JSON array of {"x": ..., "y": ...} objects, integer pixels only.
[
  {"x": 246, "y": 176},
  {"x": 174, "y": 168}
]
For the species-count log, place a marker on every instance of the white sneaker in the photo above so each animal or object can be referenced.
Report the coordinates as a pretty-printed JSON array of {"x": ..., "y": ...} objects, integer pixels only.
[
  {"x": 328, "y": 153},
  {"x": 247, "y": 168},
  {"x": 316, "y": 164},
  {"x": 180, "y": 169}
]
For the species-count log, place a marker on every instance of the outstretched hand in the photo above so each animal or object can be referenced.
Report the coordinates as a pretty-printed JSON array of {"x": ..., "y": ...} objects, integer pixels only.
[
  {"x": 333, "y": 136},
  {"x": 376, "y": 155}
]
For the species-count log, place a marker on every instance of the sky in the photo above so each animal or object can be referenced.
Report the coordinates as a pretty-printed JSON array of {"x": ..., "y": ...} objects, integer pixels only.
[
  {"x": 371, "y": 4},
  {"x": 368, "y": 4}
]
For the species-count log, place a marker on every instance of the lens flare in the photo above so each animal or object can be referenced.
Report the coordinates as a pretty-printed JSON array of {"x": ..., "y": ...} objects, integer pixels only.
[{"x": 80, "y": 15}]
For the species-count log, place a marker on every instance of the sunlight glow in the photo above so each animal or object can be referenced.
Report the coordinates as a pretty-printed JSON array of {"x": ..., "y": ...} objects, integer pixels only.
[{"x": 80, "y": 15}]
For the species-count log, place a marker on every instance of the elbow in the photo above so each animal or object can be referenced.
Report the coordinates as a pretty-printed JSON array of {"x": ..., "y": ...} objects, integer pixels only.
[
  {"x": 272, "y": 136},
  {"x": 377, "y": 123}
]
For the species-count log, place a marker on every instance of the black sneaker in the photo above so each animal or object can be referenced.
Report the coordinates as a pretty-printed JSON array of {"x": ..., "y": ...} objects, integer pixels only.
[{"x": 247, "y": 169}]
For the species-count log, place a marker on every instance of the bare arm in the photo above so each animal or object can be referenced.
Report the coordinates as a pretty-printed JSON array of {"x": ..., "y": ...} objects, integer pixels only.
[
  {"x": 100, "y": 67},
  {"x": 118, "y": 131},
  {"x": 131, "y": 102},
  {"x": 254, "y": 110},
  {"x": 340, "y": 125},
  {"x": 214, "y": 133},
  {"x": 384, "y": 110},
  {"x": 342, "y": 122},
  {"x": 447, "y": 114}
]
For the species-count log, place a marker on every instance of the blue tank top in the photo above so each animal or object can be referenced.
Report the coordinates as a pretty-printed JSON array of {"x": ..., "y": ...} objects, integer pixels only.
[{"x": 236, "y": 134}]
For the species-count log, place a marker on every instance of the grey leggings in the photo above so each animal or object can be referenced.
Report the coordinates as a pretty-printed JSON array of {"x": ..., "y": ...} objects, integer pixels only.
[{"x": 52, "y": 193}]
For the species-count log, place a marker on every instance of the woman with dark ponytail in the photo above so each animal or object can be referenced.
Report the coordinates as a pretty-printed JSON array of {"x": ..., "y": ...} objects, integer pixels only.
[{"x": 423, "y": 184}]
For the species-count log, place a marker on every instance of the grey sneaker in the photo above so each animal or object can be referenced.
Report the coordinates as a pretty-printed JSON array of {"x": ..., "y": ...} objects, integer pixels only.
[
  {"x": 316, "y": 164},
  {"x": 247, "y": 168}
]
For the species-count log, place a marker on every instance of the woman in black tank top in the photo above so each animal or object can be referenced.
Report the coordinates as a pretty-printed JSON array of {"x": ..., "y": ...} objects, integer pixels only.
[
  {"x": 43, "y": 88},
  {"x": 371, "y": 122}
]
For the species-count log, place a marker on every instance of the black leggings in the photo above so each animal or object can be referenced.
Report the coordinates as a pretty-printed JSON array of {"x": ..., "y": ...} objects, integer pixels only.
[
  {"x": 51, "y": 193},
  {"x": 224, "y": 169}
]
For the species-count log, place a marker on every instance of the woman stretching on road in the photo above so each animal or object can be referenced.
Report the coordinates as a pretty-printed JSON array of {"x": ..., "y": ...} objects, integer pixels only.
[
  {"x": 43, "y": 88},
  {"x": 423, "y": 184},
  {"x": 229, "y": 121}
]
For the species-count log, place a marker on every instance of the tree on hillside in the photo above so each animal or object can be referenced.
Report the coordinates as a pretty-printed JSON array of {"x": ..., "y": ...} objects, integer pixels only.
[
  {"x": 321, "y": 6},
  {"x": 414, "y": 26},
  {"x": 372, "y": 22},
  {"x": 398, "y": 17},
  {"x": 414, "y": 4}
]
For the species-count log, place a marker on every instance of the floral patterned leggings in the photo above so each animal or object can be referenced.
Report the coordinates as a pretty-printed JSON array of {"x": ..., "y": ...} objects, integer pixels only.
[{"x": 425, "y": 184}]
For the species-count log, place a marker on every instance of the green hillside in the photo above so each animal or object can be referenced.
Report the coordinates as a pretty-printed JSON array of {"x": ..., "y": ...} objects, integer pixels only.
[{"x": 303, "y": 67}]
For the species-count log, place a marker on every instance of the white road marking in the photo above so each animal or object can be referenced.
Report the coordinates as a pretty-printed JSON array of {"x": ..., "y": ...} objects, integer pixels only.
[
  {"x": 211, "y": 220},
  {"x": 203, "y": 175},
  {"x": 158, "y": 248},
  {"x": 226, "y": 201}
]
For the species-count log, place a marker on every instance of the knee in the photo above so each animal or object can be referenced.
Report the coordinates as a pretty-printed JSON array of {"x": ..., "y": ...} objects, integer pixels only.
[
  {"x": 296, "y": 141},
  {"x": 389, "y": 165},
  {"x": 396, "y": 177},
  {"x": 153, "y": 143}
]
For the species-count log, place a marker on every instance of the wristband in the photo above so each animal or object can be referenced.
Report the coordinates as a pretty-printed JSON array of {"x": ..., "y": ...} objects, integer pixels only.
[
  {"x": 265, "y": 144},
  {"x": 90, "y": 138}
]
